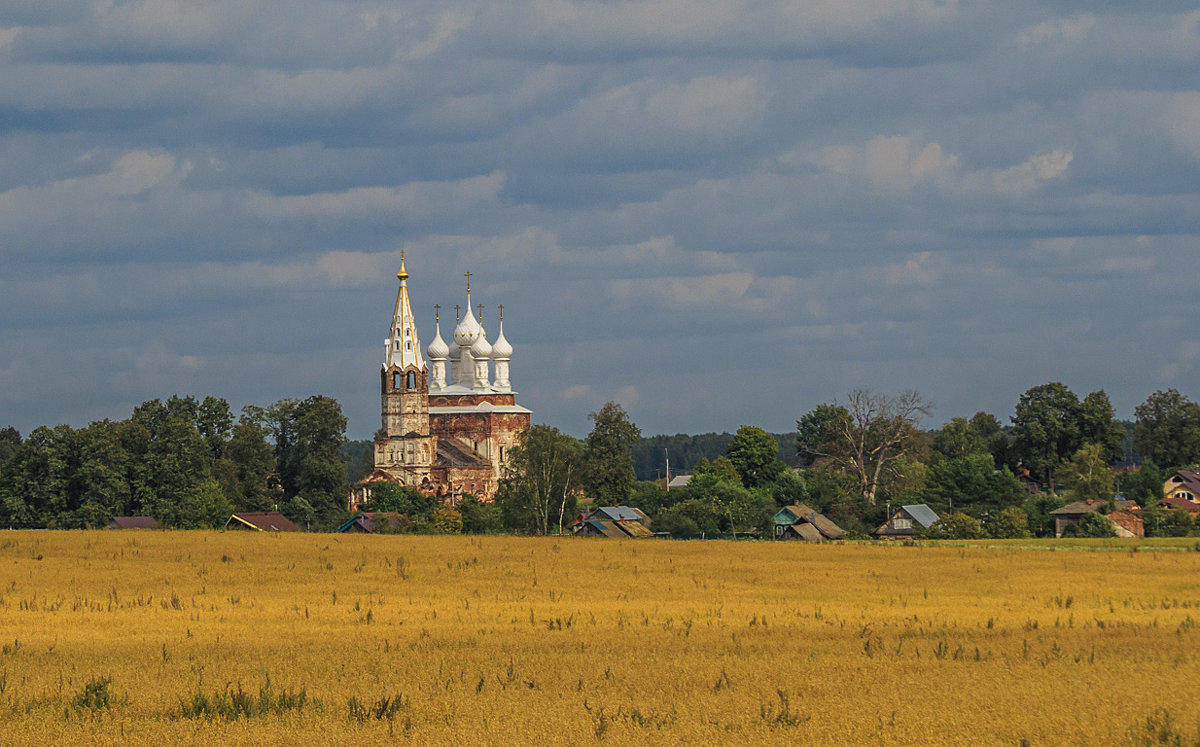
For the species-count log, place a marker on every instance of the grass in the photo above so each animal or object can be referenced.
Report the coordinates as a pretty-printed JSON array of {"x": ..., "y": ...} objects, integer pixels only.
[{"x": 232, "y": 638}]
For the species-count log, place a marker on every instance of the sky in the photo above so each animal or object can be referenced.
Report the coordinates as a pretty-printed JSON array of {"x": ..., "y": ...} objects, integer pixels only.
[{"x": 714, "y": 212}]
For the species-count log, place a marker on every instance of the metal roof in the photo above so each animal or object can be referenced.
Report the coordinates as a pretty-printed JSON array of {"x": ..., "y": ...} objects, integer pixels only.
[
  {"x": 921, "y": 514},
  {"x": 619, "y": 513}
]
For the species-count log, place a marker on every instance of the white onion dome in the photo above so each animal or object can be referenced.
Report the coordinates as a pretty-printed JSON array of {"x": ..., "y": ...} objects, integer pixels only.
[
  {"x": 482, "y": 348},
  {"x": 501, "y": 349},
  {"x": 438, "y": 349},
  {"x": 468, "y": 330}
]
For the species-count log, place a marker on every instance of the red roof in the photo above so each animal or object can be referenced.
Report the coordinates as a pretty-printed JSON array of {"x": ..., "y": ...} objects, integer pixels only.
[
  {"x": 261, "y": 521},
  {"x": 1180, "y": 503}
]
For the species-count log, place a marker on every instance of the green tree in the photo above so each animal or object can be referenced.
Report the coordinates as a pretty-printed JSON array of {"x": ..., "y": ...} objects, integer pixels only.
[
  {"x": 971, "y": 484},
  {"x": 1046, "y": 429},
  {"x": 608, "y": 475},
  {"x": 1144, "y": 485},
  {"x": 994, "y": 438},
  {"x": 693, "y": 516},
  {"x": 753, "y": 453},
  {"x": 401, "y": 499},
  {"x": 649, "y": 497},
  {"x": 955, "y": 526},
  {"x": 1098, "y": 425},
  {"x": 543, "y": 474},
  {"x": 308, "y": 436},
  {"x": 1178, "y": 524},
  {"x": 1167, "y": 430},
  {"x": 1038, "y": 508},
  {"x": 721, "y": 467},
  {"x": 253, "y": 462},
  {"x": 868, "y": 439},
  {"x": 479, "y": 517},
  {"x": 1096, "y": 524},
  {"x": 446, "y": 520},
  {"x": 789, "y": 488},
  {"x": 958, "y": 439},
  {"x": 10, "y": 440},
  {"x": 1088, "y": 475},
  {"x": 1009, "y": 523}
]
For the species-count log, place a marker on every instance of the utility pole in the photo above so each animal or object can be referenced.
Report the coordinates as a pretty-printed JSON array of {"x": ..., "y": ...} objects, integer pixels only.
[{"x": 667, "y": 456}]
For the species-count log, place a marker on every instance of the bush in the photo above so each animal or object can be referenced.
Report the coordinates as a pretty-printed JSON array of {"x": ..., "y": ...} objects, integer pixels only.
[{"x": 956, "y": 526}]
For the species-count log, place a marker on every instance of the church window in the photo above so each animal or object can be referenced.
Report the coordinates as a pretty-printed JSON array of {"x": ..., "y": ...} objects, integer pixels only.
[
  {"x": 411, "y": 380},
  {"x": 396, "y": 380}
]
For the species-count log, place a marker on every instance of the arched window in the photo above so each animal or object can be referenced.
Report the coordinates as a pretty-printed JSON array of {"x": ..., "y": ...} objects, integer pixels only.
[
  {"x": 412, "y": 380},
  {"x": 396, "y": 380}
]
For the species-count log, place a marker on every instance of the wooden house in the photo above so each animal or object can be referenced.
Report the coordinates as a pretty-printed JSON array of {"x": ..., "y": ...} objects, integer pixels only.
[
  {"x": 802, "y": 522},
  {"x": 374, "y": 522},
  {"x": 261, "y": 521},
  {"x": 1183, "y": 484},
  {"x": 907, "y": 521},
  {"x": 1072, "y": 513},
  {"x": 613, "y": 521}
]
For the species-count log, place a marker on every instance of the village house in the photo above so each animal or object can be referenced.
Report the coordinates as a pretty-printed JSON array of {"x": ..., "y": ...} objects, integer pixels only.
[
  {"x": 613, "y": 521},
  {"x": 907, "y": 521},
  {"x": 1183, "y": 484},
  {"x": 261, "y": 521},
  {"x": 802, "y": 522},
  {"x": 1072, "y": 513},
  {"x": 373, "y": 522}
]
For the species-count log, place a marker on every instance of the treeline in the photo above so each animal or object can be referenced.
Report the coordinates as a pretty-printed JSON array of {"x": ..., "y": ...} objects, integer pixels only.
[
  {"x": 651, "y": 452},
  {"x": 186, "y": 462},
  {"x": 865, "y": 456}
]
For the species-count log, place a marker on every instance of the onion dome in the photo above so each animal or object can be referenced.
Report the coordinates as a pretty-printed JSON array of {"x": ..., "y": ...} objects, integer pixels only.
[
  {"x": 501, "y": 349},
  {"x": 482, "y": 348},
  {"x": 438, "y": 349},
  {"x": 468, "y": 330}
]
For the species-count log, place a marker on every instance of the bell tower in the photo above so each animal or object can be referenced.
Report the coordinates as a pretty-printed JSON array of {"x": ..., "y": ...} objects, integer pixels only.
[{"x": 404, "y": 446}]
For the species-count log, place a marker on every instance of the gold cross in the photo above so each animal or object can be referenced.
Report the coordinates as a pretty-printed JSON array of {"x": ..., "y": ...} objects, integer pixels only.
[
  {"x": 501, "y": 307},
  {"x": 468, "y": 281},
  {"x": 456, "y": 307},
  {"x": 481, "y": 313},
  {"x": 437, "y": 312}
]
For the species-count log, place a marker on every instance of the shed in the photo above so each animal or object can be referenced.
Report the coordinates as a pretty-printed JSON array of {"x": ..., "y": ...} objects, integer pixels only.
[
  {"x": 679, "y": 481},
  {"x": 132, "y": 522},
  {"x": 614, "y": 521},
  {"x": 261, "y": 521},
  {"x": 907, "y": 521}
]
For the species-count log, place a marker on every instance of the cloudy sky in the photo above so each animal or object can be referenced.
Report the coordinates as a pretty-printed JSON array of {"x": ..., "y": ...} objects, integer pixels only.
[{"x": 715, "y": 212}]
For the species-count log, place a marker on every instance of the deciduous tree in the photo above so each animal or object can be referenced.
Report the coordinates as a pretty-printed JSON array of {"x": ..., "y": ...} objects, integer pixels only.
[
  {"x": 543, "y": 474},
  {"x": 868, "y": 438},
  {"x": 1167, "y": 430},
  {"x": 608, "y": 452}
]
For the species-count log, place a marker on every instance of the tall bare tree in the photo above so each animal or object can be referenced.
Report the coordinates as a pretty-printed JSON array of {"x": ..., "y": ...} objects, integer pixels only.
[{"x": 867, "y": 437}]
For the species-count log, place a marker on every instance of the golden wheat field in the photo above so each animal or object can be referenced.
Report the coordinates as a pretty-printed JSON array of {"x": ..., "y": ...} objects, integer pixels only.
[{"x": 236, "y": 638}]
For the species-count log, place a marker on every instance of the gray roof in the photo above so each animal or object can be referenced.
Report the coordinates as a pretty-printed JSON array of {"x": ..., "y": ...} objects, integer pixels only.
[
  {"x": 921, "y": 514},
  {"x": 620, "y": 513},
  {"x": 680, "y": 481}
]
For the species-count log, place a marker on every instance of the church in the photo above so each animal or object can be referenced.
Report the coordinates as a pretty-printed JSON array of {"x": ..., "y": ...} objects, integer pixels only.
[{"x": 449, "y": 419}]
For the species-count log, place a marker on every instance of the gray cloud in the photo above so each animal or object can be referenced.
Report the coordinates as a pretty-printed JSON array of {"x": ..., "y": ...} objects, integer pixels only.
[{"x": 715, "y": 212}]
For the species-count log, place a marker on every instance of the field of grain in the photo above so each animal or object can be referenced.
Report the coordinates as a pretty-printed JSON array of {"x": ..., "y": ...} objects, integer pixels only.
[{"x": 239, "y": 638}]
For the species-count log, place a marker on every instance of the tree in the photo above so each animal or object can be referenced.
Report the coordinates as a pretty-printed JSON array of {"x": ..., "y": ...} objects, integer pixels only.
[
  {"x": 1096, "y": 524},
  {"x": 1144, "y": 485},
  {"x": 1098, "y": 425},
  {"x": 955, "y": 526},
  {"x": 401, "y": 499},
  {"x": 543, "y": 475},
  {"x": 1088, "y": 476},
  {"x": 308, "y": 437},
  {"x": 253, "y": 462},
  {"x": 1167, "y": 430},
  {"x": 994, "y": 438},
  {"x": 608, "y": 476},
  {"x": 958, "y": 439},
  {"x": 479, "y": 517},
  {"x": 720, "y": 467},
  {"x": 1009, "y": 523},
  {"x": 971, "y": 484},
  {"x": 10, "y": 439},
  {"x": 868, "y": 438},
  {"x": 754, "y": 454},
  {"x": 1046, "y": 429}
]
